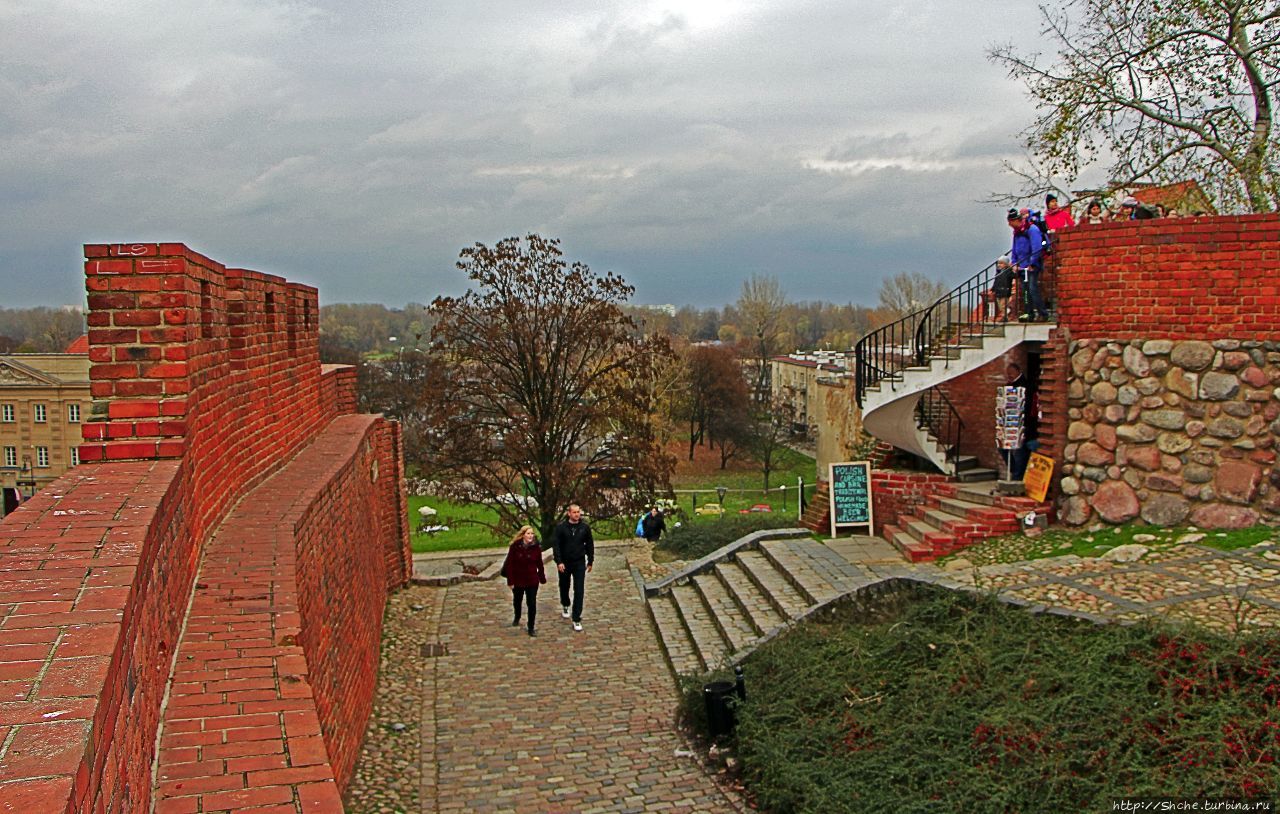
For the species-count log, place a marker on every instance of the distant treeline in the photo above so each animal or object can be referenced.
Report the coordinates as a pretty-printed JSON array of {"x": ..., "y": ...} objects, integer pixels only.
[
  {"x": 39, "y": 330},
  {"x": 348, "y": 331}
]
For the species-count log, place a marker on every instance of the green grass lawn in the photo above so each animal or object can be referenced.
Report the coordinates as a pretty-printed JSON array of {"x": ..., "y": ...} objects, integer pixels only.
[
  {"x": 464, "y": 530},
  {"x": 1057, "y": 542}
]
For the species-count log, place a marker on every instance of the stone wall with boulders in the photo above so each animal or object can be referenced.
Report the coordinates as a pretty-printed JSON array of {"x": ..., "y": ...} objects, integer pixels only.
[{"x": 1172, "y": 432}]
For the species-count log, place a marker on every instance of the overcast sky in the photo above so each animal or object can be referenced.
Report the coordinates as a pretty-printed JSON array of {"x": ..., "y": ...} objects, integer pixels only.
[{"x": 358, "y": 146}]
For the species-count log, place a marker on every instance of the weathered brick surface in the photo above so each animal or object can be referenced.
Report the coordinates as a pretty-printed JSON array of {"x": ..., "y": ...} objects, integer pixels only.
[
  {"x": 211, "y": 376},
  {"x": 1161, "y": 279}
]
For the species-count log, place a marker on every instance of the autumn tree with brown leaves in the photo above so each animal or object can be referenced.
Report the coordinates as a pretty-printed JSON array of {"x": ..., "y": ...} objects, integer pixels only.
[{"x": 548, "y": 386}]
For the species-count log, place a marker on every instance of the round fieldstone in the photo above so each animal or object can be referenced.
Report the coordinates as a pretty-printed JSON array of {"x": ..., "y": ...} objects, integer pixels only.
[
  {"x": 1079, "y": 431},
  {"x": 1275, "y": 425},
  {"x": 1157, "y": 347},
  {"x": 1256, "y": 425},
  {"x": 1152, "y": 402},
  {"x": 1144, "y": 457},
  {"x": 1165, "y": 419},
  {"x": 1116, "y": 502},
  {"x": 1148, "y": 386},
  {"x": 1127, "y": 395},
  {"x": 1238, "y": 481},
  {"x": 1166, "y": 510},
  {"x": 1192, "y": 355},
  {"x": 1081, "y": 361},
  {"x": 1114, "y": 413},
  {"x": 1173, "y": 443},
  {"x": 1170, "y": 463},
  {"x": 1136, "y": 433},
  {"x": 1118, "y": 377},
  {"x": 1215, "y": 386},
  {"x": 1201, "y": 456},
  {"x": 1194, "y": 429},
  {"x": 1226, "y": 344},
  {"x": 1075, "y": 390},
  {"x": 1091, "y": 413},
  {"x": 1255, "y": 377},
  {"x": 1221, "y": 516},
  {"x": 1235, "y": 360},
  {"x": 1135, "y": 362},
  {"x": 1182, "y": 382},
  {"x": 1074, "y": 511},
  {"x": 1105, "y": 436},
  {"x": 1225, "y": 427},
  {"x": 1164, "y": 482},
  {"x": 1090, "y": 454},
  {"x": 1102, "y": 393},
  {"x": 1159, "y": 366},
  {"x": 1238, "y": 409},
  {"x": 1197, "y": 473},
  {"x": 1069, "y": 486},
  {"x": 1095, "y": 474},
  {"x": 1114, "y": 472}
]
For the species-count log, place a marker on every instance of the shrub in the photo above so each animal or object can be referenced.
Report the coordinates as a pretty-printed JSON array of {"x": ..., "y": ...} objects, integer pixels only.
[
  {"x": 963, "y": 704},
  {"x": 696, "y": 540}
]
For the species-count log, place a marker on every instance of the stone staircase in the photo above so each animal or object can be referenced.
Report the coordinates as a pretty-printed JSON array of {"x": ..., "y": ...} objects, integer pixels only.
[
  {"x": 721, "y": 607},
  {"x": 957, "y": 515}
]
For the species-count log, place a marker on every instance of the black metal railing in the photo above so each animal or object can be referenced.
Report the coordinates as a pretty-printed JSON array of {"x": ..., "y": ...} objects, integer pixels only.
[
  {"x": 960, "y": 316},
  {"x": 938, "y": 416}
]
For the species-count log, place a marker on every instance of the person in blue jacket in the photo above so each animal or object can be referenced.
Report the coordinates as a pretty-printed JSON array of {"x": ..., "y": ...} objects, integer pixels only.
[{"x": 1026, "y": 254}]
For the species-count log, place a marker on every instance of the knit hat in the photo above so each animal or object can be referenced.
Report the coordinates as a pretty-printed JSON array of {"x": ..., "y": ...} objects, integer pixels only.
[
  {"x": 1014, "y": 215},
  {"x": 1050, "y": 197}
]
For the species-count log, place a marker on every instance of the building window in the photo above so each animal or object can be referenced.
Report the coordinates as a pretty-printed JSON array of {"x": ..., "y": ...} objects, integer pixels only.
[
  {"x": 10, "y": 456},
  {"x": 73, "y": 413},
  {"x": 41, "y": 414},
  {"x": 42, "y": 457},
  {"x": 6, "y": 413},
  {"x": 75, "y": 456}
]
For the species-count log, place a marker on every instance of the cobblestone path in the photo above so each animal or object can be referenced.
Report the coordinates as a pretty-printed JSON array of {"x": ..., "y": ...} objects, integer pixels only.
[{"x": 565, "y": 722}]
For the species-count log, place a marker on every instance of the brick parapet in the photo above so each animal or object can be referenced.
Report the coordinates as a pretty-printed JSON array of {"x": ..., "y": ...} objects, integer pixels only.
[
  {"x": 1171, "y": 278},
  {"x": 124, "y": 537}
]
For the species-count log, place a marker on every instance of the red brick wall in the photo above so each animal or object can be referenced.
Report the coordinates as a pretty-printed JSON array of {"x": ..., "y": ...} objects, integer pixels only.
[
  {"x": 974, "y": 397},
  {"x": 1174, "y": 278},
  {"x": 895, "y": 494},
  {"x": 213, "y": 376}
]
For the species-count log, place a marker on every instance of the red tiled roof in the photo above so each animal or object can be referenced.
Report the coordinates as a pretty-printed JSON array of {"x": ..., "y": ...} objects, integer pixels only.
[{"x": 80, "y": 345}]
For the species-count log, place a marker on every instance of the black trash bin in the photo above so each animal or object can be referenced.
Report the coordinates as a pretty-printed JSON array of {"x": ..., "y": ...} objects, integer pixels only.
[{"x": 720, "y": 696}]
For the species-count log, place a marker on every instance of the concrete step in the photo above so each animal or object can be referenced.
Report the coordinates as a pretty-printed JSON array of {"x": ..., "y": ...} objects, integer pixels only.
[
  {"x": 681, "y": 653},
  {"x": 782, "y": 595},
  {"x": 966, "y": 462},
  {"x": 914, "y": 550},
  {"x": 924, "y": 531},
  {"x": 706, "y": 637},
  {"x": 976, "y": 475},
  {"x": 734, "y": 626},
  {"x": 800, "y": 571},
  {"x": 750, "y": 597},
  {"x": 975, "y": 511}
]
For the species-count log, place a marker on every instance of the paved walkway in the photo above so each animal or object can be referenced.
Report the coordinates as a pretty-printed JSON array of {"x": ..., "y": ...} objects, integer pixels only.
[{"x": 565, "y": 722}]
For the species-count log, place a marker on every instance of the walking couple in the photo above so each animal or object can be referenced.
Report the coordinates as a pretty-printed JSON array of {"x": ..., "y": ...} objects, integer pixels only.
[{"x": 574, "y": 551}]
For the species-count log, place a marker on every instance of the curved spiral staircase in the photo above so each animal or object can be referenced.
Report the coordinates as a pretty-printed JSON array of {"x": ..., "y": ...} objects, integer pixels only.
[{"x": 898, "y": 368}]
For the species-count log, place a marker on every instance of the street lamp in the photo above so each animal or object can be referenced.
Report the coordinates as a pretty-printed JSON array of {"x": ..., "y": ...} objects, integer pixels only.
[{"x": 27, "y": 477}]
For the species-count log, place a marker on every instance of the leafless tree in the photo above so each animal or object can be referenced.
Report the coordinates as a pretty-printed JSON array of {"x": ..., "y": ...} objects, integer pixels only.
[
  {"x": 548, "y": 385},
  {"x": 909, "y": 291},
  {"x": 759, "y": 308}
]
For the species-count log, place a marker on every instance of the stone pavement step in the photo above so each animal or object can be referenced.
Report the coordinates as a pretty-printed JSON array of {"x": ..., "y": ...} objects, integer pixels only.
[
  {"x": 760, "y": 611},
  {"x": 706, "y": 637},
  {"x": 681, "y": 652},
  {"x": 729, "y": 618},
  {"x": 773, "y": 584},
  {"x": 801, "y": 570}
]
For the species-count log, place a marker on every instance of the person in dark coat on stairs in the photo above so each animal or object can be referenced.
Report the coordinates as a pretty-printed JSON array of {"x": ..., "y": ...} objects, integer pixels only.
[{"x": 524, "y": 572}]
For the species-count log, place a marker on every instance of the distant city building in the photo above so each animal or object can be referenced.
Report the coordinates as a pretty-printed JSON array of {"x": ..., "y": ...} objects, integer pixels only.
[
  {"x": 794, "y": 382},
  {"x": 44, "y": 400}
]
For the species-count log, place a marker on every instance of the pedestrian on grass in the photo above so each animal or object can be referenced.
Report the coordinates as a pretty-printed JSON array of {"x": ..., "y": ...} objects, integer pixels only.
[
  {"x": 653, "y": 524},
  {"x": 574, "y": 551},
  {"x": 524, "y": 572}
]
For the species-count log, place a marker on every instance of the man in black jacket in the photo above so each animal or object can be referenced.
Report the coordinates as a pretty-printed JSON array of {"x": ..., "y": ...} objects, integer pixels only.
[
  {"x": 653, "y": 525},
  {"x": 574, "y": 551}
]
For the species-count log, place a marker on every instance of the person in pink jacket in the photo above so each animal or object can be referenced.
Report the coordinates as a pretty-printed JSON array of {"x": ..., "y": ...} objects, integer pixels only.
[
  {"x": 1056, "y": 217},
  {"x": 524, "y": 572}
]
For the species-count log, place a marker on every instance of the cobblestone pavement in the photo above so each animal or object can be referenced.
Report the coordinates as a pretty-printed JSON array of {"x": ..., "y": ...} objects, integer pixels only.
[{"x": 565, "y": 722}]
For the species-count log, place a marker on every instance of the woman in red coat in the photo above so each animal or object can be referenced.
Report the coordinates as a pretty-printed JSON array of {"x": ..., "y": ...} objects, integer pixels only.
[{"x": 524, "y": 572}]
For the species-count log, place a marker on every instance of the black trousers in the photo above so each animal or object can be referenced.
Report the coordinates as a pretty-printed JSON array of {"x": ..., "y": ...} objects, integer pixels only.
[
  {"x": 575, "y": 571},
  {"x": 530, "y": 597}
]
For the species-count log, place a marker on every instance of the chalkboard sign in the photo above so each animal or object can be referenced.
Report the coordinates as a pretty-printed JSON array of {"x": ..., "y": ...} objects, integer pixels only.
[{"x": 850, "y": 495}]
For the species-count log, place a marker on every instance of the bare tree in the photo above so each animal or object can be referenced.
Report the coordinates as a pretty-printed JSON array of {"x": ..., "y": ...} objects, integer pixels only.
[
  {"x": 767, "y": 435},
  {"x": 548, "y": 385},
  {"x": 1167, "y": 91},
  {"x": 759, "y": 309},
  {"x": 909, "y": 291},
  {"x": 715, "y": 398}
]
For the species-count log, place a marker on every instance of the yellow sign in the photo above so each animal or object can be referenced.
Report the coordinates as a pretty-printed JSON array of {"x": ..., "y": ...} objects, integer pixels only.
[{"x": 1036, "y": 479}]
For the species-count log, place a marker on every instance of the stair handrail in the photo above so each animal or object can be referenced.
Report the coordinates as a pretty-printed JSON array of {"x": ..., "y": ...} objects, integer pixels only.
[
  {"x": 939, "y": 417},
  {"x": 887, "y": 351}
]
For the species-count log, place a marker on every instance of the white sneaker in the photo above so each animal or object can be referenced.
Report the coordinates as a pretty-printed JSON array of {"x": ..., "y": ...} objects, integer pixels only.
[
  {"x": 564, "y": 611},
  {"x": 577, "y": 626}
]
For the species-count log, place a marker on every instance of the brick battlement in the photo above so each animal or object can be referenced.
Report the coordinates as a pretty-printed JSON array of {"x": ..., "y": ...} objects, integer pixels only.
[{"x": 206, "y": 382}]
